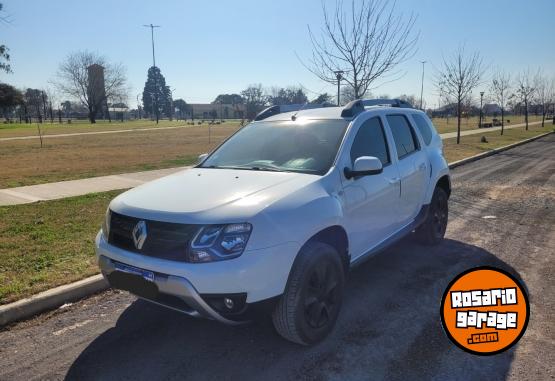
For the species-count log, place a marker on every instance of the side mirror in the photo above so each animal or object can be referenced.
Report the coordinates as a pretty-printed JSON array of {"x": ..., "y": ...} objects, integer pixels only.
[
  {"x": 364, "y": 166},
  {"x": 201, "y": 157}
]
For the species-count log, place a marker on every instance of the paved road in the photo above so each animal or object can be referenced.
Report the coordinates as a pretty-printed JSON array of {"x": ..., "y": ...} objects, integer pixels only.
[
  {"x": 389, "y": 327},
  {"x": 449, "y": 135},
  {"x": 62, "y": 189},
  {"x": 47, "y": 136},
  {"x": 70, "y": 188}
]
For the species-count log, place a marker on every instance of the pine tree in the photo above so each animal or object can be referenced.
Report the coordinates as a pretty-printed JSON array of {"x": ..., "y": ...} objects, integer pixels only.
[{"x": 156, "y": 95}]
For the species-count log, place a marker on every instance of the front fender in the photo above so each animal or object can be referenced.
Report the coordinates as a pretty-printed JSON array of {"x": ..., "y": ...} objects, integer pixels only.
[{"x": 296, "y": 219}]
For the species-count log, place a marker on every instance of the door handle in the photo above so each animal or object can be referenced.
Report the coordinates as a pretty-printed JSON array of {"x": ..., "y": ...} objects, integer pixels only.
[
  {"x": 394, "y": 180},
  {"x": 422, "y": 167}
]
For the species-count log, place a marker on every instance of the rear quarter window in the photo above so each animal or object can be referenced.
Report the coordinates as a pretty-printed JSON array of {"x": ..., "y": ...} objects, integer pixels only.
[{"x": 424, "y": 126}]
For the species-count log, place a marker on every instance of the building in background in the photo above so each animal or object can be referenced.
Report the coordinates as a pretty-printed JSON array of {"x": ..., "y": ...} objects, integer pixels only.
[{"x": 215, "y": 111}]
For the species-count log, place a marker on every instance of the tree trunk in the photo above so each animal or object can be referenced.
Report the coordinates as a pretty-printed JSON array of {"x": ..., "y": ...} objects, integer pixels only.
[
  {"x": 543, "y": 115},
  {"x": 526, "y": 114},
  {"x": 502, "y": 120},
  {"x": 459, "y": 121},
  {"x": 92, "y": 115}
]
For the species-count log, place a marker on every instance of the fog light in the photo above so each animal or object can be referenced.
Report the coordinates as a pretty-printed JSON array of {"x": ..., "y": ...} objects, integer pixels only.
[{"x": 229, "y": 303}]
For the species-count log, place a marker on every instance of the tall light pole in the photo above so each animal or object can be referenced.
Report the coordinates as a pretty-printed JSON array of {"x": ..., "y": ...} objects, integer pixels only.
[
  {"x": 481, "y": 100},
  {"x": 422, "y": 86},
  {"x": 338, "y": 76},
  {"x": 152, "y": 38},
  {"x": 157, "y": 110}
]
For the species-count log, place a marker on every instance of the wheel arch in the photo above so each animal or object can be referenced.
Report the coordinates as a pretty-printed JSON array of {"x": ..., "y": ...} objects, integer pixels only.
[
  {"x": 444, "y": 182},
  {"x": 335, "y": 236}
]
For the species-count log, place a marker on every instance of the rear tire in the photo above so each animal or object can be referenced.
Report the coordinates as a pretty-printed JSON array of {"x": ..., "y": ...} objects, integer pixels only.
[
  {"x": 308, "y": 310},
  {"x": 432, "y": 231}
]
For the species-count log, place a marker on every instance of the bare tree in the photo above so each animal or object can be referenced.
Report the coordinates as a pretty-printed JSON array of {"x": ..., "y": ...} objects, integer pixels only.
[
  {"x": 499, "y": 89},
  {"x": 366, "y": 42},
  {"x": 457, "y": 77},
  {"x": 74, "y": 80},
  {"x": 525, "y": 91},
  {"x": 544, "y": 93},
  {"x": 255, "y": 100}
]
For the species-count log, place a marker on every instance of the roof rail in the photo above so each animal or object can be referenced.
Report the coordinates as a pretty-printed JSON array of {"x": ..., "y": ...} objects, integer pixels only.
[
  {"x": 357, "y": 106},
  {"x": 267, "y": 112},
  {"x": 386, "y": 102},
  {"x": 278, "y": 109}
]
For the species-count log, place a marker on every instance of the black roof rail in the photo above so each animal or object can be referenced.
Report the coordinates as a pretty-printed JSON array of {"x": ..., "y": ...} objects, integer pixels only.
[
  {"x": 278, "y": 109},
  {"x": 386, "y": 102},
  {"x": 268, "y": 112},
  {"x": 357, "y": 106},
  {"x": 352, "y": 109}
]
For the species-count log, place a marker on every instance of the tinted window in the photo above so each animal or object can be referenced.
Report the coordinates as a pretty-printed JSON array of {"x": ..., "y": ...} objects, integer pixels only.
[
  {"x": 370, "y": 141},
  {"x": 424, "y": 127},
  {"x": 405, "y": 141}
]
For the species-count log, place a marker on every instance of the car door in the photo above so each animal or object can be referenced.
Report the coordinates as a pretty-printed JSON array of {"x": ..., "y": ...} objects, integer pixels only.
[
  {"x": 413, "y": 166},
  {"x": 369, "y": 201}
]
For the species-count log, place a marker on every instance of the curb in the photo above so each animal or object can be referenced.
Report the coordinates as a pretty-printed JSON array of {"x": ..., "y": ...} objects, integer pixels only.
[
  {"x": 54, "y": 298},
  {"x": 51, "y": 299},
  {"x": 494, "y": 151}
]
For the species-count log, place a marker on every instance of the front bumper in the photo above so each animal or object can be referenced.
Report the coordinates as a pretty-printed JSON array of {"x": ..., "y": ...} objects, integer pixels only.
[
  {"x": 175, "y": 286},
  {"x": 260, "y": 275}
]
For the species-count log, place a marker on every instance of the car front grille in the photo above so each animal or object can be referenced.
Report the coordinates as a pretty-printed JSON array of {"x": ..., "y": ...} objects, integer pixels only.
[{"x": 164, "y": 239}]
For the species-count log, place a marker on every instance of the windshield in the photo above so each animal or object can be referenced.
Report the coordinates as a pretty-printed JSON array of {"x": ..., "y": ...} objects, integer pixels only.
[{"x": 307, "y": 146}]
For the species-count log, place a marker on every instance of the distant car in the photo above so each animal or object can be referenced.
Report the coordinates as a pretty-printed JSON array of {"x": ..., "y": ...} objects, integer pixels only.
[{"x": 274, "y": 217}]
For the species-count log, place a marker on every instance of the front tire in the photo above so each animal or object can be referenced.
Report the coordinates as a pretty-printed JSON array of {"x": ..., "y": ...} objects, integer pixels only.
[
  {"x": 432, "y": 231},
  {"x": 308, "y": 310}
]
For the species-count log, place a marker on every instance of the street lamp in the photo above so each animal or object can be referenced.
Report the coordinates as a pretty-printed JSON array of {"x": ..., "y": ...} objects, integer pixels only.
[
  {"x": 481, "y": 101},
  {"x": 338, "y": 76},
  {"x": 422, "y": 87}
]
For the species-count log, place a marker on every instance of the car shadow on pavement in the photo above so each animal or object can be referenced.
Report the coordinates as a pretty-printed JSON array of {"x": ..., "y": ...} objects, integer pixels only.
[{"x": 389, "y": 328}]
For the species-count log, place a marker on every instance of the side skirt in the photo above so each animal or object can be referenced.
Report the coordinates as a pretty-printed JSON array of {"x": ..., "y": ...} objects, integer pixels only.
[{"x": 401, "y": 233}]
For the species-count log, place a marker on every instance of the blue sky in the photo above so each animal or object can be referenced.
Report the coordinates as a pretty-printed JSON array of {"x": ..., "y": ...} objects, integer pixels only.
[{"x": 205, "y": 48}]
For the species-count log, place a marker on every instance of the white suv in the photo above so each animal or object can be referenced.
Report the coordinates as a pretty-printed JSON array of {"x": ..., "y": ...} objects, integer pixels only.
[{"x": 272, "y": 220}]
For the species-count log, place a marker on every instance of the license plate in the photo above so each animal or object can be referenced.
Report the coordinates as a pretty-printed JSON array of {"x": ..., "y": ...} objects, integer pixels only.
[{"x": 145, "y": 274}]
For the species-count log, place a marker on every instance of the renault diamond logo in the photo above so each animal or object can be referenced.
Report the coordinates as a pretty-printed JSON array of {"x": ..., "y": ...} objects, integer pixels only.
[{"x": 139, "y": 234}]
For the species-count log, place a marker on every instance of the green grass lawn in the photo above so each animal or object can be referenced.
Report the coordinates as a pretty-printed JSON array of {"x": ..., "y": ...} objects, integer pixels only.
[
  {"x": 471, "y": 145},
  {"x": 46, "y": 244},
  {"x": 8, "y": 130}
]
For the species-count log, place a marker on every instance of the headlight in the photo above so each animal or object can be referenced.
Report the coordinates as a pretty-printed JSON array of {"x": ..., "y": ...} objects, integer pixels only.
[
  {"x": 219, "y": 242},
  {"x": 106, "y": 224}
]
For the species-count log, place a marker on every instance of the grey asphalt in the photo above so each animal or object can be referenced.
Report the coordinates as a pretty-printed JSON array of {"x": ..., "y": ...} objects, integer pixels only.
[
  {"x": 389, "y": 327},
  {"x": 62, "y": 189}
]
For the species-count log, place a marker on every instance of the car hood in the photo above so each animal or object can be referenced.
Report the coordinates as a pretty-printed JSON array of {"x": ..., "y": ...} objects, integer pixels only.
[{"x": 209, "y": 195}]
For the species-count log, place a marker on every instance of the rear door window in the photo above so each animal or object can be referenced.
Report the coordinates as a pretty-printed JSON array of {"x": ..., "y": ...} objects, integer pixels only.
[{"x": 403, "y": 135}]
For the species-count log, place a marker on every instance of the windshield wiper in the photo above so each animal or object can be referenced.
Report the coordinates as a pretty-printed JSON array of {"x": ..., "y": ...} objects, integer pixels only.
[
  {"x": 245, "y": 168},
  {"x": 269, "y": 169}
]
